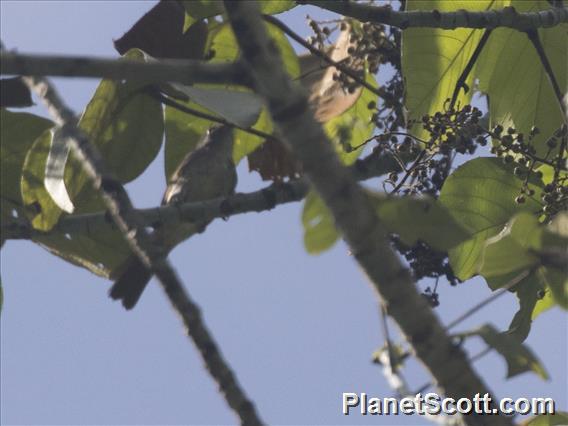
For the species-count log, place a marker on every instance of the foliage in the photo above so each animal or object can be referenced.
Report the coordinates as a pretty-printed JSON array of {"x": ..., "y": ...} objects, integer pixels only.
[
  {"x": 500, "y": 217},
  {"x": 519, "y": 358}
]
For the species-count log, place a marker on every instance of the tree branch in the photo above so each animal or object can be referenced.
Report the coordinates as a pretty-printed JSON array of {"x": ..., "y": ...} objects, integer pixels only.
[
  {"x": 127, "y": 220},
  {"x": 353, "y": 212},
  {"x": 507, "y": 17},
  {"x": 164, "y": 70},
  {"x": 258, "y": 201}
]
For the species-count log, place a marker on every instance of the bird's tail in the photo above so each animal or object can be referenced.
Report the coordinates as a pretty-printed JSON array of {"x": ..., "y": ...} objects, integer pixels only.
[{"x": 131, "y": 283}]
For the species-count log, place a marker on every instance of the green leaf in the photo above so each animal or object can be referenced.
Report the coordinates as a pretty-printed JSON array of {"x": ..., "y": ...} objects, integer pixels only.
[
  {"x": 183, "y": 132},
  {"x": 226, "y": 49},
  {"x": 423, "y": 219},
  {"x": 273, "y": 7},
  {"x": 512, "y": 74},
  {"x": 508, "y": 251},
  {"x": 524, "y": 244},
  {"x": 508, "y": 69},
  {"x": 245, "y": 143},
  {"x": 528, "y": 293},
  {"x": 320, "y": 233},
  {"x": 543, "y": 304},
  {"x": 127, "y": 127},
  {"x": 350, "y": 130},
  {"x": 40, "y": 208},
  {"x": 18, "y": 131},
  {"x": 433, "y": 59},
  {"x": 480, "y": 196},
  {"x": 237, "y": 106},
  {"x": 101, "y": 253},
  {"x": 559, "y": 418},
  {"x": 199, "y": 9},
  {"x": 519, "y": 358}
]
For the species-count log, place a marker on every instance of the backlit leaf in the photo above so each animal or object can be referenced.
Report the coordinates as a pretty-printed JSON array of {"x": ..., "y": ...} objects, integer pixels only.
[{"x": 480, "y": 196}]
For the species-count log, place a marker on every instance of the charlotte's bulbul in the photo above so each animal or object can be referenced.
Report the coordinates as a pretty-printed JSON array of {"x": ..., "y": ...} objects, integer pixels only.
[{"x": 206, "y": 172}]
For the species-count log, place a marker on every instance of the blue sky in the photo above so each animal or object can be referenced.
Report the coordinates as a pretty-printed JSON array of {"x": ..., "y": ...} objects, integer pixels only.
[{"x": 298, "y": 329}]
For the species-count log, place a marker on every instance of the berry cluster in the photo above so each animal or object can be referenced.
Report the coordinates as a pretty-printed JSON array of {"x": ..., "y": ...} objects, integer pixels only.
[
  {"x": 449, "y": 133},
  {"x": 515, "y": 148}
]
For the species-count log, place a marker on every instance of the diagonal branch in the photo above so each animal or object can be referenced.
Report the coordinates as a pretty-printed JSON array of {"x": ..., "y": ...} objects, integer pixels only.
[
  {"x": 126, "y": 219},
  {"x": 353, "y": 212},
  {"x": 507, "y": 17},
  {"x": 164, "y": 70}
]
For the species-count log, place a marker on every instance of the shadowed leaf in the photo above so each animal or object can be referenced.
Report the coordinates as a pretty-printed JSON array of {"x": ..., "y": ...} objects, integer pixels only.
[
  {"x": 519, "y": 357},
  {"x": 160, "y": 33},
  {"x": 14, "y": 93}
]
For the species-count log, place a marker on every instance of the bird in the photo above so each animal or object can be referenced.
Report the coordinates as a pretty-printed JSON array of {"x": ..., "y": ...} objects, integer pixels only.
[{"x": 206, "y": 172}]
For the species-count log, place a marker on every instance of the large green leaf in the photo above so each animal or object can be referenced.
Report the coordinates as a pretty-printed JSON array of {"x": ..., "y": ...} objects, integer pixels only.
[
  {"x": 18, "y": 131},
  {"x": 420, "y": 219},
  {"x": 511, "y": 73},
  {"x": 127, "y": 127},
  {"x": 508, "y": 69},
  {"x": 433, "y": 59},
  {"x": 480, "y": 195},
  {"x": 413, "y": 219},
  {"x": 519, "y": 357},
  {"x": 512, "y": 249},
  {"x": 526, "y": 244},
  {"x": 100, "y": 253}
]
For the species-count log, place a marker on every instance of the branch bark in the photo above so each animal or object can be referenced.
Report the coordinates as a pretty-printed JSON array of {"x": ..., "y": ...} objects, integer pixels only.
[
  {"x": 125, "y": 217},
  {"x": 507, "y": 17},
  {"x": 354, "y": 214},
  {"x": 166, "y": 70},
  {"x": 264, "y": 199}
]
